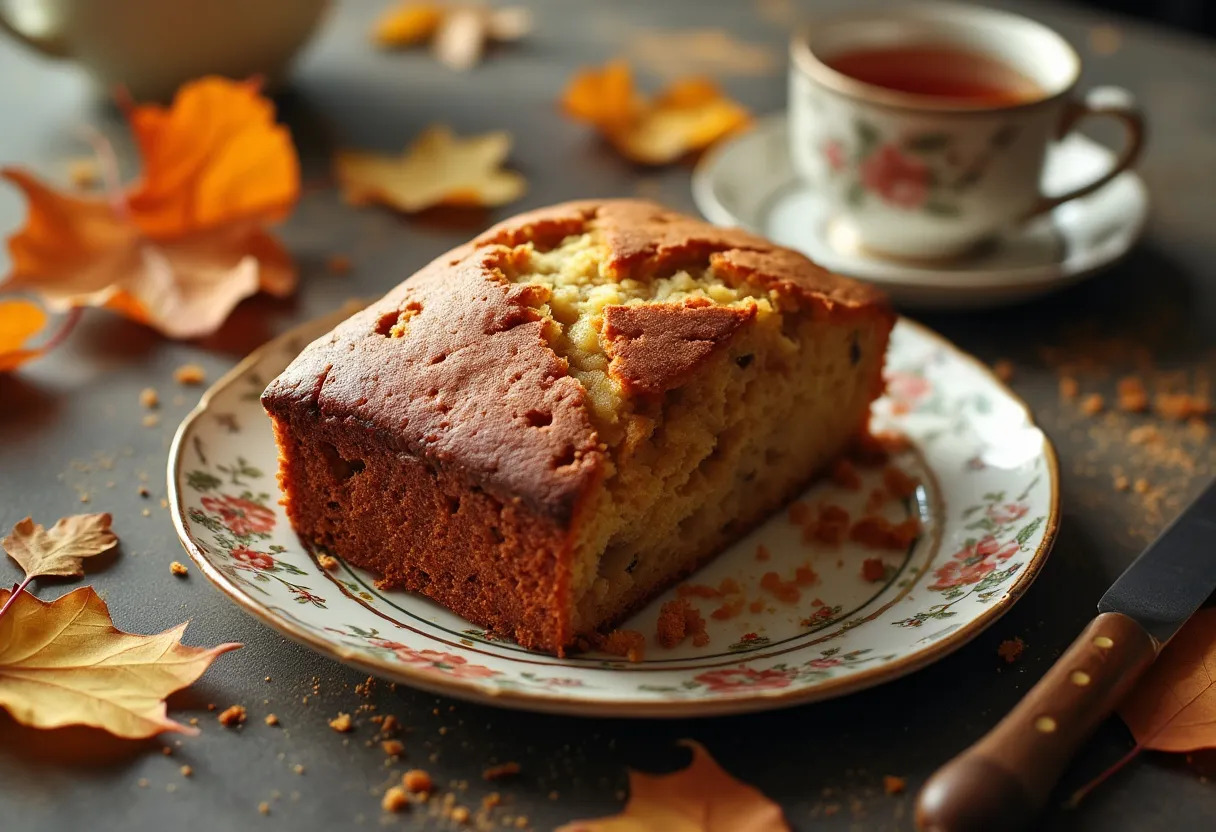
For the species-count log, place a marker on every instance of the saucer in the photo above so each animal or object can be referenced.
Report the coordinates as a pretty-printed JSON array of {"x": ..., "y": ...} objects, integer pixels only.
[{"x": 750, "y": 182}]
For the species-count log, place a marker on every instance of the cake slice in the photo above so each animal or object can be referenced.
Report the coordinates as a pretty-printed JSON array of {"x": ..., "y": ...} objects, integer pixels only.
[{"x": 544, "y": 428}]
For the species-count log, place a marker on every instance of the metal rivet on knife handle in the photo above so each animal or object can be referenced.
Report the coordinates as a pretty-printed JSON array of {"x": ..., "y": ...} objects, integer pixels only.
[{"x": 1002, "y": 781}]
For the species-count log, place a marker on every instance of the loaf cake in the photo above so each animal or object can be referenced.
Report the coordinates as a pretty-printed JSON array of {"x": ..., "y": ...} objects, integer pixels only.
[{"x": 544, "y": 428}]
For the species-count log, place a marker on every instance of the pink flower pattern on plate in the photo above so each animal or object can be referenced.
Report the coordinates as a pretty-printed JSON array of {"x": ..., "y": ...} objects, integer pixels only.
[
  {"x": 899, "y": 180},
  {"x": 252, "y": 558},
  {"x": 241, "y": 516},
  {"x": 739, "y": 678},
  {"x": 446, "y": 664},
  {"x": 971, "y": 564}
]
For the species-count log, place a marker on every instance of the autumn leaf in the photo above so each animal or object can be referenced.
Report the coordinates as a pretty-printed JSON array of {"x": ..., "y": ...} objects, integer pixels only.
[
  {"x": 700, "y": 798},
  {"x": 20, "y": 320},
  {"x": 459, "y": 34},
  {"x": 1173, "y": 706},
  {"x": 688, "y": 116},
  {"x": 61, "y": 550},
  {"x": 184, "y": 245},
  {"x": 64, "y": 663},
  {"x": 440, "y": 168}
]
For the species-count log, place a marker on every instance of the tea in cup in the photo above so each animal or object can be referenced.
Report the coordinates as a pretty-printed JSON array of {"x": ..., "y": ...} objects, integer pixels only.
[{"x": 926, "y": 128}]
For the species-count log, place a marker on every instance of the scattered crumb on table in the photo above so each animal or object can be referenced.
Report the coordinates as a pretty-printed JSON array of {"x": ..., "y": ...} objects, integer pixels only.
[
  {"x": 271, "y": 719},
  {"x": 1011, "y": 649},
  {"x": 233, "y": 715},
  {"x": 341, "y": 723},
  {"x": 893, "y": 785},
  {"x": 178, "y": 568},
  {"x": 149, "y": 398},
  {"x": 395, "y": 799},
  {"x": 189, "y": 375}
]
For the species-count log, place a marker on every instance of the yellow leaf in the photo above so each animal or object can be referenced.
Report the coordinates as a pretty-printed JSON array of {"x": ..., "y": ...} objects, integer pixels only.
[
  {"x": 438, "y": 169},
  {"x": 689, "y": 116},
  {"x": 1173, "y": 707},
  {"x": 188, "y": 242},
  {"x": 20, "y": 320},
  {"x": 64, "y": 663},
  {"x": 62, "y": 549},
  {"x": 407, "y": 24},
  {"x": 700, "y": 798}
]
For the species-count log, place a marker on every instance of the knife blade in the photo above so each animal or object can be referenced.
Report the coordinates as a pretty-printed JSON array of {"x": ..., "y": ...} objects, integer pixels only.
[
  {"x": 1003, "y": 781},
  {"x": 1174, "y": 576}
]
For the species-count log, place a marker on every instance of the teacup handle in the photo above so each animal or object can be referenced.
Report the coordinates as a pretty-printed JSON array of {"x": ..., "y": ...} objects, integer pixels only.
[{"x": 1114, "y": 102}]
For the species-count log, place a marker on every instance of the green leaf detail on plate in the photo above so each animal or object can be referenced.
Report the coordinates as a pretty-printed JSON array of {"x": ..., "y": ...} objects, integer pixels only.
[
  {"x": 942, "y": 209},
  {"x": 1028, "y": 530}
]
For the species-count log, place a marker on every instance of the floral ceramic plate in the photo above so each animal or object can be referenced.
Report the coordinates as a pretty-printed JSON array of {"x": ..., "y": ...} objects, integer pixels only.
[{"x": 987, "y": 503}]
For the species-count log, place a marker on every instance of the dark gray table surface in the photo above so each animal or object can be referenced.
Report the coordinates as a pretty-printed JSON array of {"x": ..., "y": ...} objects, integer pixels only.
[{"x": 823, "y": 763}]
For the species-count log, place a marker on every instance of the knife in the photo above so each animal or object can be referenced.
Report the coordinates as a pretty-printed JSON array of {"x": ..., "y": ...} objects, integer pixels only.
[{"x": 1003, "y": 781}]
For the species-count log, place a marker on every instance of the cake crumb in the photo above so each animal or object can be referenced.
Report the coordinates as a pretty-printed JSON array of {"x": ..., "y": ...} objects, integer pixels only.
[
  {"x": 679, "y": 620},
  {"x": 189, "y": 375},
  {"x": 873, "y": 570},
  {"x": 388, "y": 724},
  {"x": 143, "y": 491},
  {"x": 194, "y": 721},
  {"x": 893, "y": 785},
  {"x": 178, "y": 568},
  {"x": 233, "y": 715},
  {"x": 149, "y": 398},
  {"x": 898, "y": 482},
  {"x": 187, "y": 771},
  {"x": 491, "y": 800},
  {"x": 298, "y": 768},
  {"x": 142, "y": 782},
  {"x": 395, "y": 799},
  {"x": 1132, "y": 397},
  {"x": 264, "y": 808},
  {"x": 831, "y": 527},
  {"x": 341, "y": 723},
  {"x": 1122, "y": 483},
  {"x": 417, "y": 781},
  {"x": 799, "y": 513},
  {"x": 393, "y": 748},
  {"x": 150, "y": 420},
  {"x": 327, "y": 562},
  {"x": 166, "y": 750},
  {"x": 1093, "y": 404},
  {"x": 845, "y": 475},
  {"x": 147, "y": 512},
  {"x": 1140, "y": 486},
  {"x": 1003, "y": 370},
  {"x": 460, "y": 815},
  {"x": 1145, "y": 435},
  {"x": 500, "y": 772},
  {"x": 1179, "y": 407},
  {"x": 878, "y": 532},
  {"x": 271, "y": 719},
  {"x": 1069, "y": 389},
  {"x": 628, "y": 643},
  {"x": 1011, "y": 649},
  {"x": 785, "y": 591},
  {"x": 756, "y": 606},
  {"x": 762, "y": 553}
]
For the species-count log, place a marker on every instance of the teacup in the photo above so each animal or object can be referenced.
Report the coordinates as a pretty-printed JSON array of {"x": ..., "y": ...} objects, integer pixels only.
[
  {"x": 926, "y": 127},
  {"x": 150, "y": 47}
]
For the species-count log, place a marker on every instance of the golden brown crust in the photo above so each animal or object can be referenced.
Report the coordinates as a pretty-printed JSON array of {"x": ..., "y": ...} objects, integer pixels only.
[
  {"x": 654, "y": 347},
  {"x": 459, "y": 389}
]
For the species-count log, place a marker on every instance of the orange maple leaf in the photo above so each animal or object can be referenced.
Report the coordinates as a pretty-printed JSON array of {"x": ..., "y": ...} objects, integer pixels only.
[
  {"x": 700, "y": 798},
  {"x": 185, "y": 244},
  {"x": 688, "y": 116},
  {"x": 1173, "y": 707},
  {"x": 20, "y": 320}
]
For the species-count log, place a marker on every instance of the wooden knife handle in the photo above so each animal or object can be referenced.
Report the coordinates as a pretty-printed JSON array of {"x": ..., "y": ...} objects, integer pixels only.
[{"x": 1003, "y": 781}]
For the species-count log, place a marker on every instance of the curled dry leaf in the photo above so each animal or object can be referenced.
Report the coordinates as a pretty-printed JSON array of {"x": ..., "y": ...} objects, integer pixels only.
[
  {"x": 700, "y": 798},
  {"x": 60, "y": 550},
  {"x": 64, "y": 663},
  {"x": 185, "y": 244},
  {"x": 440, "y": 168},
  {"x": 20, "y": 320},
  {"x": 459, "y": 34},
  {"x": 1173, "y": 707},
  {"x": 688, "y": 116}
]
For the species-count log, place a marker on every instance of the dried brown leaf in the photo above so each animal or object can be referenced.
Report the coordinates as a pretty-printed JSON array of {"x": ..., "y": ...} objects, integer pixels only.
[{"x": 61, "y": 549}]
